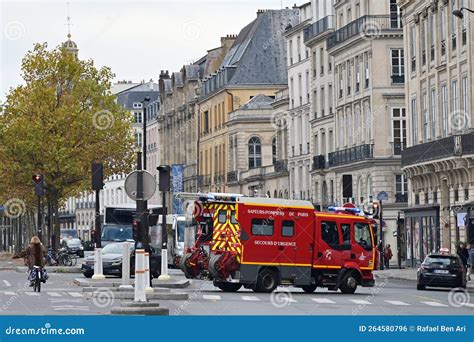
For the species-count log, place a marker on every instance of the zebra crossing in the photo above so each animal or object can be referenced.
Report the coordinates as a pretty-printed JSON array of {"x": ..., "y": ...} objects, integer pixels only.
[
  {"x": 326, "y": 301},
  {"x": 49, "y": 294}
]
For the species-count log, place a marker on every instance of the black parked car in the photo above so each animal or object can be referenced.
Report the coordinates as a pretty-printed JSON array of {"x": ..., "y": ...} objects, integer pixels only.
[
  {"x": 74, "y": 246},
  {"x": 441, "y": 270},
  {"x": 112, "y": 261}
]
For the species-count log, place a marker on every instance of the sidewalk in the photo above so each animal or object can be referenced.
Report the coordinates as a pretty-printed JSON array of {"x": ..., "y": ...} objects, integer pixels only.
[{"x": 406, "y": 274}]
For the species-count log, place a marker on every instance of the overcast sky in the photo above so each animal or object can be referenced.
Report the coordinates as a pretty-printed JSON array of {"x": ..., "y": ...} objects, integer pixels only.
[{"x": 135, "y": 38}]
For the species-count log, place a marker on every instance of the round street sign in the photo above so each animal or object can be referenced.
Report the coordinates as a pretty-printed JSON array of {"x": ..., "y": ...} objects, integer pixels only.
[
  {"x": 149, "y": 185},
  {"x": 382, "y": 196}
]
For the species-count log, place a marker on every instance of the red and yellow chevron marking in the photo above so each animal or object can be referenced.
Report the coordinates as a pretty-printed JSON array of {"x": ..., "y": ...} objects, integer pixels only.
[{"x": 226, "y": 235}]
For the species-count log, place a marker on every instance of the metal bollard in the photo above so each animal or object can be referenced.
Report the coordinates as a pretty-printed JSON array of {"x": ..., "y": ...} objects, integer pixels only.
[
  {"x": 140, "y": 294},
  {"x": 148, "y": 287},
  {"x": 98, "y": 269},
  {"x": 125, "y": 266}
]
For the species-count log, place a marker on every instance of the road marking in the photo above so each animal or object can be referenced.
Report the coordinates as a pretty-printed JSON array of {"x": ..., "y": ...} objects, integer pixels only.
[
  {"x": 323, "y": 301},
  {"x": 32, "y": 294},
  {"x": 360, "y": 302},
  {"x": 250, "y": 298},
  {"x": 471, "y": 305},
  {"x": 7, "y": 283},
  {"x": 434, "y": 303},
  {"x": 70, "y": 307},
  {"x": 10, "y": 293},
  {"x": 54, "y": 294},
  {"x": 397, "y": 302},
  {"x": 211, "y": 297},
  {"x": 75, "y": 294}
]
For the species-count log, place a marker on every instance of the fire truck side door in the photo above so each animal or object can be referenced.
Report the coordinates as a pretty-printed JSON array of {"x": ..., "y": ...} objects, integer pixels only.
[
  {"x": 286, "y": 232},
  {"x": 362, "y": 246},
  {"x": 329, "y": 253}
]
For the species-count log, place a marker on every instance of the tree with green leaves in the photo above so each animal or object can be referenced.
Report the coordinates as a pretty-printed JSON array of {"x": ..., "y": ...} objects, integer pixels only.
[{"x": 61, "y": 119}]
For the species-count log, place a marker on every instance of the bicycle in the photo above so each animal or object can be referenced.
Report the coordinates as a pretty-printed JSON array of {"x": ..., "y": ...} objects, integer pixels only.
[{"x": 38, "y": 278}]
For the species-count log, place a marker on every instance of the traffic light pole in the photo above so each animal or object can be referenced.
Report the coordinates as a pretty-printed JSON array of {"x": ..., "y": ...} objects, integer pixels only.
[
  {"x": 40, "y": 232},
  {"x": 98, "y": 233},
  {"x": 381, "y": 237}
]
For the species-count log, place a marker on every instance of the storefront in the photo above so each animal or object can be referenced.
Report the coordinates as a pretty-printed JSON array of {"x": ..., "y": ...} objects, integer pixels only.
[{"x": 422, "y": 236}]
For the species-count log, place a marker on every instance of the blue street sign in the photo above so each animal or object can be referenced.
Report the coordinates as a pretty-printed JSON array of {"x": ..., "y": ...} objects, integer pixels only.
[{"x": 382, "y": 196}]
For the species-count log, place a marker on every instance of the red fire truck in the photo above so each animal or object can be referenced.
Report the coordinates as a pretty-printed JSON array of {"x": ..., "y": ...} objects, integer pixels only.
[{"x": 260, "y": 243}]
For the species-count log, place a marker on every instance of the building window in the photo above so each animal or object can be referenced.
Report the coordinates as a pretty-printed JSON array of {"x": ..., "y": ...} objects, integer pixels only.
[
  {"x": 444, "y": 109},
  {"x": 414, "y": 128},
  {"x": 341, "y": 84},
  {"x": 314, "y": 64},
  {"x": 137, "y": 105},
  {"x": 432, "y": 37},
  {"x": 423, "y": 42},
  {"x": 433, "y": 113},
  {"x": 413, "y": 45},
  {"x": 399, "y": 130},
  {"x": 357, "y": 74},
  {"x": 442, "y": 15},
  {"x": 274, "y": 150},
  {"x": 321, "y": 61},
  {"x": 255, "y": 152},
  {"x": 454, "y": 21},
  {"x": 454, "y": 103},
  {"x": 401, "y": 188},
  {"x": 426, "y": 118},
  {"x": 322, "y": 101},
  {"x": 464, "y": 25},
  {"x": 290, "y": 50},
  {"x": 349, "y": 77},
  {"x": 137, "y": 117},
  {"x": 398, "y": 66},
  {"x": 366, "y": 69},
  {"x": 298, "y": 47},
  {"x": 138, "y": 139},
  {"x": 206, "y": 122},
  {"x": 395, "y": 15},
  {"x": 464, "y": 101}
]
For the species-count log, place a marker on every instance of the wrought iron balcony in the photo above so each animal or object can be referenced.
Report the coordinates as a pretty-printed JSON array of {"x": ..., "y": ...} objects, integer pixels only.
[
  {"x": 401, "y": 198},
  {"x": 318, "y": 27},
  {"x": 456, "y": 145},
  {"x": 232, "y": 176},
  {"x": 351, "y": 155},
  {"x": 219, "y": 178},
  {"x": 280, "y": 166},
  {"x": 365, "y": 26},
  {"x": 319, "y": 162},
  {"x": 204, "y": 180}
]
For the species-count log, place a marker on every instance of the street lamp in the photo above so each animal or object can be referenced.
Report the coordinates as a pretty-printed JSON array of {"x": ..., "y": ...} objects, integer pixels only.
[{"x": 458, "y": 13}]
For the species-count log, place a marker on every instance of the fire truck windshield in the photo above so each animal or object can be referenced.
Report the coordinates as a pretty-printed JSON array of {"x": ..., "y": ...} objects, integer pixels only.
[{"x": 362, "y": 235}]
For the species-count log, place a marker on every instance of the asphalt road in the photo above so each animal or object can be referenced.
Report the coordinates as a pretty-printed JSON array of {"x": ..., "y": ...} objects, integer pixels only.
[{"x": 60, "y": 296}]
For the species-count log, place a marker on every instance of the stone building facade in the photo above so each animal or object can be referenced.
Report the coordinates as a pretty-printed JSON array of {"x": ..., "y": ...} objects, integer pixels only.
[{"x": 439, "y": 160}]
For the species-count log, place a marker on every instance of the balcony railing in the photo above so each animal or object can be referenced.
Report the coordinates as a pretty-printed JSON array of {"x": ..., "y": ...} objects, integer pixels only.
[
  {"x": 219, "y": 178},
  {"x": 319, "y": 162},
  {"x": 318, "y": 27},
  {"x": 204, "y": 180},
  {"x": 401, "y": 198},
  {"x": 397, "y": 148},
  {"x": 280, "y": 166},
  {"x": 232, "y": 176},
  {"x": 368, "y": 25},
  {"x": 351, "y": 155},
  {"x": 456, "y": 145}
]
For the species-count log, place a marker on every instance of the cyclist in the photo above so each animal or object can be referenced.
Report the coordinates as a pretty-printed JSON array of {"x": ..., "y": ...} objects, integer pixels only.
[{"x": 35, "y": 254}]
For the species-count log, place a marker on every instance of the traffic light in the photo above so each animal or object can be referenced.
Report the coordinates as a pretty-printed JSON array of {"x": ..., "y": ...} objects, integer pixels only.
[
  {"x": 38, "y": 182},
  {"x": 376, "y": 210},
  {"x": 136, "y": 228},
  {"x": 164, "y": 182},
  {"x": 93, "y": 236}
]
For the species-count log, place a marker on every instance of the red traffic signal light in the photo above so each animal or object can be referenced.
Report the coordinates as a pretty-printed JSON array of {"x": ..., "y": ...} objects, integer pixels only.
[
  {"x": 38, "y": 183},
  {"x": 136, "y": 229}
]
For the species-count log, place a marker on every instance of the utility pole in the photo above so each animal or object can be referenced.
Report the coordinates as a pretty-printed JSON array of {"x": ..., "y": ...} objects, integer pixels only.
[
  {"x": 164, "y": 186},
  {"x": 381, "y": 236},
  {"x": 97, "y": 185}
]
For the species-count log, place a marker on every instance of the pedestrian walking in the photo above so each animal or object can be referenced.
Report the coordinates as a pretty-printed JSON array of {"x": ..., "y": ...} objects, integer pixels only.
[
  {"x": 387, "y": 255},
  {"x": 463, "y": 254}
]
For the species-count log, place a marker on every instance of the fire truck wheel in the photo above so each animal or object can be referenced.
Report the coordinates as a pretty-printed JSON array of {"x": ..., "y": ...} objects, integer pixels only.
[
  {"x": 267, "y": 281},
  {"x": 349, "y": 283},
  {"x": 188, "y": 273},
  {"x": 309, "y": 288},
  {"x": 227, "y": 287}
]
